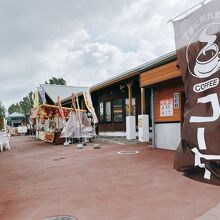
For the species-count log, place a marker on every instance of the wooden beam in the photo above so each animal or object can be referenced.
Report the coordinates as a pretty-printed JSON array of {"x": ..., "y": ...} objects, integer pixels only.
[
  {"x": 82, "y": 105},
  {"x": 160, "y": 74},
  {"x": 129, "y": 85},
  {"x": 143, "y": 101}
]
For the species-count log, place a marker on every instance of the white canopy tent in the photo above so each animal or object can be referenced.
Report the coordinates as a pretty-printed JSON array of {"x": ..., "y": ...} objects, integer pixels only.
[{"x": 78, "y": 126}]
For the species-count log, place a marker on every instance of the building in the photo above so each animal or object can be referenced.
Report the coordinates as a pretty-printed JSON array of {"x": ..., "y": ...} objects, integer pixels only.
[
  {"x": 16, "y": 119},
  {"x": 155, "y": 89}
]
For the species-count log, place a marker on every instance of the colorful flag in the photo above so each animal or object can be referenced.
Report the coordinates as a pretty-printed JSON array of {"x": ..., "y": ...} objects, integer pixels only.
[
  {"x": 42, "y": 94},
  {"x": 197, "y": 39}
]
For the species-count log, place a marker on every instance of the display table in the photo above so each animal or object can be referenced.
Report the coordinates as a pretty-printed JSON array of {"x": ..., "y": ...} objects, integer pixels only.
[
  {"x": 53, "y": 137},
  {"x": 22, "y": 129},
  {"x": 49, "y": 136}
]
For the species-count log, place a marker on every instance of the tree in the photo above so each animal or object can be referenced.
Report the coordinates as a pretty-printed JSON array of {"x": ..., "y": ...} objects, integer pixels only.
[
  {"x": 26, "y": 104},
  {"x": 56, "y": 81},
  {"x": 2, "y": 110},
  {"x": 14, "y": 108}
]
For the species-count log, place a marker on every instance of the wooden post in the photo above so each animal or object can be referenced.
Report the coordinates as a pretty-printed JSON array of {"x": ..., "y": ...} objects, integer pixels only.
[
  {"x": 129, "y": 85},
  {"x": 152, "y": 118},
  {"x": 142, "y": 101},
  {"x": 83, "y": 105},
  {"x": 37, "y": 128}
]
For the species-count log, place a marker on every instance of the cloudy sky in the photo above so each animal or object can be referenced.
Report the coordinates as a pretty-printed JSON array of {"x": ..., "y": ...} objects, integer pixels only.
[{"x": 83, "y": 41}]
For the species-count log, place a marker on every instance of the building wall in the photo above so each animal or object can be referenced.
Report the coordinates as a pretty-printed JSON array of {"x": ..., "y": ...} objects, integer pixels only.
[
  {"x": 159, "y": 74},
  {"x": 168, "y": 102},
  {"x": 165, "y": 92},
  {"x": 111, "y": 93},
  {"x": 168, "y": 121},
  {"x": 167, "y": 135}
]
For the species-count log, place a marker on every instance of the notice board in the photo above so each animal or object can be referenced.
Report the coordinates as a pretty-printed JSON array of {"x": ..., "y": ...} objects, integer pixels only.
[{"x": 166, "y": 107}]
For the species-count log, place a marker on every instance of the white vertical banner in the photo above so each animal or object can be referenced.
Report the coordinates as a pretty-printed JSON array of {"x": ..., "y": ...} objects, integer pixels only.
[
  {"x": 36, "y": 99},
  {"x": 89, "y": 105}
]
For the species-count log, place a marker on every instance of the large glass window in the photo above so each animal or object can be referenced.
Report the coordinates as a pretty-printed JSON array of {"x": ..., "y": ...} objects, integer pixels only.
[
  {"x": 101, "y": 111},
  {"x": 117, "y": 110},
  {"x": 133, "y": 107},
  {"x": 108, "y": 112}
]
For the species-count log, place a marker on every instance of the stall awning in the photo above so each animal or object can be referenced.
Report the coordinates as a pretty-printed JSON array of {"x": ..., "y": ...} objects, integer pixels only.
[{"x": 46, "y": 111}]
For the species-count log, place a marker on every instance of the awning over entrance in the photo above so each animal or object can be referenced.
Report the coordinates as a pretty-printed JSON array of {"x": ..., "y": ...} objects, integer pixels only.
[{"x": 160, "y": 74}]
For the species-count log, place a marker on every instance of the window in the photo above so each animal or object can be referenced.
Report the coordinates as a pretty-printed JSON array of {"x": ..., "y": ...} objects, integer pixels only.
[
  {"x": 133, "y": 107},
  {"x": 117, "y": 110},
  {"x": 101, "y": 111},
  {"x": 108, "y": 112}
]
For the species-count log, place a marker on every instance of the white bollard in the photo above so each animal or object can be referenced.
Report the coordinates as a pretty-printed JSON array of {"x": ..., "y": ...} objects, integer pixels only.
[
  {"x": 130, "y": 128},
  {"x": 143, "y": 128}
]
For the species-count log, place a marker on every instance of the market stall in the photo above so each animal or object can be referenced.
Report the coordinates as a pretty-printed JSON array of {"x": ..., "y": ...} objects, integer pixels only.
[{"x": 47, "y": 122}]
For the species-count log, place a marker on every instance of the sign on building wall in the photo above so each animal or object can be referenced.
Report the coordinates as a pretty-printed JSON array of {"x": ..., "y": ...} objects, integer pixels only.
[
  {"x": 176, "y": 100},
  {"x": 140, "y": 122},
  {"x": 166, "y": 108},
  {"x": 198, "y": 47}
]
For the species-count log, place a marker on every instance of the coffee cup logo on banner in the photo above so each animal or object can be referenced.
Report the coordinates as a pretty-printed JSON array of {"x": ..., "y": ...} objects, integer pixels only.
[{"x": 207, "y": 61}]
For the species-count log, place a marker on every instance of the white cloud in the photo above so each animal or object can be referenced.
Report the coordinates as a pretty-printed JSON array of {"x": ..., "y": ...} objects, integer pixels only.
[{"x": 84, "y": 42}]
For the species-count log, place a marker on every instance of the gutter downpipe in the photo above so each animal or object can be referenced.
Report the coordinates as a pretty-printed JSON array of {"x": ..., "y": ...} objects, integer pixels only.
[{"x": 152, "y": 118}]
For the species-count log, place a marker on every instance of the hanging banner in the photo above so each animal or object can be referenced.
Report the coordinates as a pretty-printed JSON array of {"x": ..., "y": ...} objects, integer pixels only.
[
  {"x": 42, "y": 94},
  {"x": 89, "y": 105},
  {"x": 197, "y": 39},
  {"x": 61, "y": 110},
  {"x": 78, "y": 112},
  {"x": 73, "y": 103},
  {"x": 36, "y": 99}
]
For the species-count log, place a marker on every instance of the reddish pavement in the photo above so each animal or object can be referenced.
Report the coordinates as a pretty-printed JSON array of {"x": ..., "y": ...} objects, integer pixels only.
[{"x": 97, "y": 184}]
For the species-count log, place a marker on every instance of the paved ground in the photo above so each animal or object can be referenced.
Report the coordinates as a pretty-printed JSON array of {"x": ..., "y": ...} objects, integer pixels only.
[{"x": 98, "y": 184}]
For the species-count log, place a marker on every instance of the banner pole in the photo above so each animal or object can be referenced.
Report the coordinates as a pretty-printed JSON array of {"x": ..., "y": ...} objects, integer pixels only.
[
  {"x": 201, "y": 3},
  {"x": 79, "y": 115}
]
